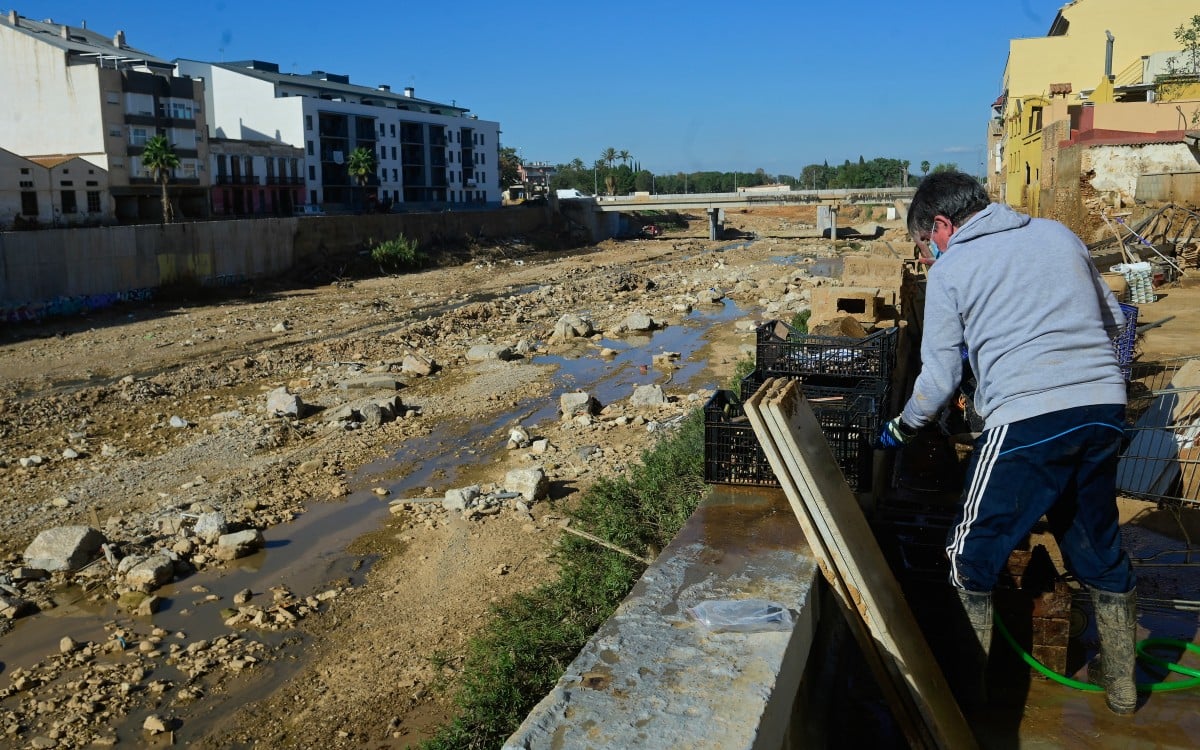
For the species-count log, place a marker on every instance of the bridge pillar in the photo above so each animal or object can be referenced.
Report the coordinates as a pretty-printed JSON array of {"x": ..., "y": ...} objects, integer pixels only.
[{"x": 716, "y": 223}]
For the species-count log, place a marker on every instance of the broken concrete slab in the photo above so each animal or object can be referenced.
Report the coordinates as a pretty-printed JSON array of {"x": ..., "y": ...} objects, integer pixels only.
[
  {"x": 379, "y": 381},
  {"x": 64, "y": 548}
]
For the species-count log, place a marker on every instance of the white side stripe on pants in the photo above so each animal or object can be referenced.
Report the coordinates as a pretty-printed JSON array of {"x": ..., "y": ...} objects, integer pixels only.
[{"x": 983, "y": 471}]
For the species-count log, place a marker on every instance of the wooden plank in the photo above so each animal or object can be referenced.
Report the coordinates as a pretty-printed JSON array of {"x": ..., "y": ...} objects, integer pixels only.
[
  {"x": 838, "y": 521},
  {"x": 890, "y": 681}
]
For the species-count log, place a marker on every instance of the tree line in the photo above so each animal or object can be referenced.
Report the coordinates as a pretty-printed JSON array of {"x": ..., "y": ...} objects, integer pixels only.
[{"x": 605, "y": 176}]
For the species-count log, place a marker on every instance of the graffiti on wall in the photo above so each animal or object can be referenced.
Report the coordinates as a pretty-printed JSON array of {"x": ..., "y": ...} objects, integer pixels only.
[{"x": 33, "y": 312}]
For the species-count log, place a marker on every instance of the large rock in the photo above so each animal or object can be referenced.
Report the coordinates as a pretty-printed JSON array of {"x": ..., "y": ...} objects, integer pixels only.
[
  {"x": 648, "y": 395},
  {"x": 639, "y": 320},
  {"x": 574, "y": 404},
  {"x": 238, "y": 544},
  {"x": 460, "y": 498},
  {"x": 415, "y": 365},
  {"x": 572, "y": 326},
  {"x": 64, "y": 548},
  {"x": 531, "y": 483},
  {"x": 282, "y": 402},
  {"x": 484, "y": 352},
  {"x": 210, "y": 526},
  {"x": 151, "y": 572}
]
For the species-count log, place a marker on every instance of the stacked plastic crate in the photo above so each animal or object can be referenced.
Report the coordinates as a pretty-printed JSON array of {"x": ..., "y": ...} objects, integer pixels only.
[{"x": 847, "y": 382}]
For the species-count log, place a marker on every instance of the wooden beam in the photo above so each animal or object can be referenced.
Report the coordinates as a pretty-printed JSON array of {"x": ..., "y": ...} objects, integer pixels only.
[{"x": 834, "y": 524}]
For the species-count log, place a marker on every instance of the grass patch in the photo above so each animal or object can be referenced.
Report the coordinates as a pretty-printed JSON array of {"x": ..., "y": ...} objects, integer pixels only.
[
  {"x": 400, "y": 254},
  {"x": 800, "y": 321},
  {"x": 534, "y": 636},
  {"x": 741, "y": 369}
]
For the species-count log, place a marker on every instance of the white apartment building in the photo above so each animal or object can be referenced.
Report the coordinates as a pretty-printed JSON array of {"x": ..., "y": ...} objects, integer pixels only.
[
  {"x": 70, "y": 92},
  {"x": 428, "y": 154}
]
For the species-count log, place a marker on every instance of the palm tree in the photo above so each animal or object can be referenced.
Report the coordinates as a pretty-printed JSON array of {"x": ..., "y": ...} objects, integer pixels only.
[
  {"x": 624, "y": 156},
  {"x": 924, "y": 168},
  {"x": 609, "y": 156},
  {"x": 361, "y": 165},
  {"x": 158, "y": 157}
]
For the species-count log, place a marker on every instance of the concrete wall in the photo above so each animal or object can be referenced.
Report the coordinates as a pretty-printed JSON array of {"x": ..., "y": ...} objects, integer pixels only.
[
  {"x": 1181, "y": 188},
  {"x": 67, "y": 270}
]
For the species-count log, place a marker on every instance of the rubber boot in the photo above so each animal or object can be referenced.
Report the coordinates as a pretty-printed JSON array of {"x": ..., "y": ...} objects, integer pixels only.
[
  {"x": 1116, "y": 621},
  {"x": 978, "y": 607}
]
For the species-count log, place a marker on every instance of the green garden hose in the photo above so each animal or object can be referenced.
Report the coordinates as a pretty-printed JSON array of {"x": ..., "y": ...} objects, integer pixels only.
[{"x": 1143, "y": 648}]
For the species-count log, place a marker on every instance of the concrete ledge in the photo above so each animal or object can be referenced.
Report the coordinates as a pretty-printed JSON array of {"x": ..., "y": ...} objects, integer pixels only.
[{"x": 653, "y": 678}]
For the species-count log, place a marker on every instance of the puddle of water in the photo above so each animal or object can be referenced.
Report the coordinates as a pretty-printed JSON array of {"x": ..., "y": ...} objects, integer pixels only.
[{"x": 817, "y": 265}]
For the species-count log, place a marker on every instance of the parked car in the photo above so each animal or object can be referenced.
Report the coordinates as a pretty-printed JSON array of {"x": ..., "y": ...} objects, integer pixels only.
[
  {"x": 308, "y": 209},
  {"x": 651, "y": 230}
]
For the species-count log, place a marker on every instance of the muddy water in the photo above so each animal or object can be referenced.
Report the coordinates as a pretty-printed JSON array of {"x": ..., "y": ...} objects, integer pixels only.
[{"x": 310, "y": 553}]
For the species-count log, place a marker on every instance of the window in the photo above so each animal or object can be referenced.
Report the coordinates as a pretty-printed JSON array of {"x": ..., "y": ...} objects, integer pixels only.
[
  {"x": 393, "y": 153},
  {"x": 393, "y": 130},
  {"x": 310, "y": 148},
  {"x": 189, "y": 169},
  {"x": 66, "y": 183},
  {"x": 29, "y": 206},
  {"x": 27, "y": 183},
  {"x": 137, "y": 136},
  {"x": 181, "y": 110},
  {"x": 114, "y": 132},
  {"x": 92, "y": 183},
  {"x": 112, "y": 97},
  {"x": 308, "y": 122},
  {"x": 93, "y": 199},
  {"x": 68, "y": 202},
  {"x": 24, "y": 170},
  {"x": 395, "y": 177},
  {"x": 482, "y": 136},
  {"x": 312, "y": 197},
  {"x": 382, "y": 129},
  {"x": 312, "y": 173},
  {"x": 66, "y": 171}
]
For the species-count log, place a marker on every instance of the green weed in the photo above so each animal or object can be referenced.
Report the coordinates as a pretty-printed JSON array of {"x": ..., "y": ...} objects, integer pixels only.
[{"x": 534, "y": 636}]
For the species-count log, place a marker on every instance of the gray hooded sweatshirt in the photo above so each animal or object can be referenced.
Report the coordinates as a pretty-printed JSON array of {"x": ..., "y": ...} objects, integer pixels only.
[{"x": 1025, "y": 299}]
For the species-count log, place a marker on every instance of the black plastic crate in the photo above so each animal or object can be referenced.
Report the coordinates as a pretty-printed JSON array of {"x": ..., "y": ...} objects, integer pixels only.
[
  {"x": 868, "y": 397},
  {"x": 732, "y": 454},
  {"x": 782, "y": 349},
  {"x": 917, "y": 534}
]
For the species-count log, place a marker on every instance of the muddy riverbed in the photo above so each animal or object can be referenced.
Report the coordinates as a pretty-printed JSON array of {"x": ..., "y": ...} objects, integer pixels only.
[{"x": 348, "y": 623}]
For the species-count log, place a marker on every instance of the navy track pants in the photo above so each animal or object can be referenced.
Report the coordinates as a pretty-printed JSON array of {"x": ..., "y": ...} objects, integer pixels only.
[{"x": 1062, "y": 465}]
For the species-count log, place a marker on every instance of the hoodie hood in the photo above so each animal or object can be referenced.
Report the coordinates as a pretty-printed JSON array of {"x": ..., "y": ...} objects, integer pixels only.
[{"x": 997, "y": 217}]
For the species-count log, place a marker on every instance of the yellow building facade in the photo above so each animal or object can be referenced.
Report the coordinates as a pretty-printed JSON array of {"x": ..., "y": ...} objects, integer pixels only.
[{"x": 1090, "y": 44}]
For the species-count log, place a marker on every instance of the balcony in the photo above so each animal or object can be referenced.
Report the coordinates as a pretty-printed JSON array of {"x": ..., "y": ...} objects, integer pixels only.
[
  {"x": 236, "y": 179},
  {"x": 171, "y": 182},
  {"x": 156, "y": 121}
]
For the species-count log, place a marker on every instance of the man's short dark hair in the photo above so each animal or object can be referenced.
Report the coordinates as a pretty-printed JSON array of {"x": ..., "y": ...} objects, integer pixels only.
[{"x": 954, "y": 195}]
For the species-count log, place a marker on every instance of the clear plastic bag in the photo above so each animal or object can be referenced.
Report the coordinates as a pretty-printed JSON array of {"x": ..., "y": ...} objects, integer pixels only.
[{"x": 741, "y": 615}]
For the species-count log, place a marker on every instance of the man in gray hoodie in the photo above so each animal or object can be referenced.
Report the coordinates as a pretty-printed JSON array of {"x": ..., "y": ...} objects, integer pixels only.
[{"x": 1024, "y": 298}]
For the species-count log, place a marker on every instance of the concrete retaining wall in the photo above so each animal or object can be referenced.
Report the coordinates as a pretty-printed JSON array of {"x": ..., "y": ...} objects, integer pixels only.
[
  {"x": 654, "y": 678},
  {"x": 63, "y": 271}
]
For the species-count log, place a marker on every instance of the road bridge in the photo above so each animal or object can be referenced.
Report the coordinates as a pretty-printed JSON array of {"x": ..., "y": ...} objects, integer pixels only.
[{"x": 715, "y": 203}]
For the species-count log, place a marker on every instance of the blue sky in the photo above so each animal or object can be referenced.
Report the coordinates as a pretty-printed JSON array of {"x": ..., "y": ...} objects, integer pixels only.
[{"x": 682, "y": 86}]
